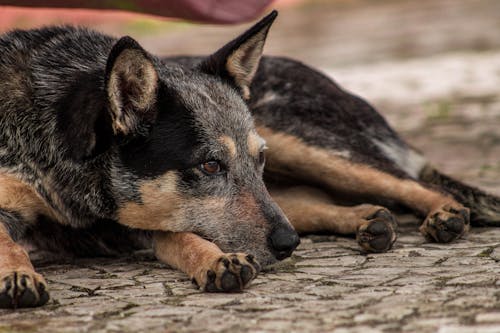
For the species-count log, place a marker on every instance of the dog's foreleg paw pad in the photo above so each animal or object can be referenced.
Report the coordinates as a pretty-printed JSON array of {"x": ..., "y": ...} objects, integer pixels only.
[
  {"x": 22, "y": 290},
  {"x": 378, "y": 234},
  {"x": 232, "y": 272}
]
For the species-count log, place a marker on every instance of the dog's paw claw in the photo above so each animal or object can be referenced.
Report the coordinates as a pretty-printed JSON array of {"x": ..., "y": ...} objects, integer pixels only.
[
  {"x": 22, "y": 290},
  {"x": 230, "y": 273},
  {"x": 378, "y": 234},
  {"x": 446, "y": 224}
]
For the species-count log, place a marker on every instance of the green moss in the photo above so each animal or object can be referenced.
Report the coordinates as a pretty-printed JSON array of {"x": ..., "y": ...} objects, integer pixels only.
[
  {"x": 173, "y": 300},
  {"x": 285, "y": 266},
  {"x": 122, "y": 312},
  {"x": 442, "y": 280},
  {"x": 438, "y": 111},
  {"x": 486, "y": 252},
  {"x": 21, "y": 328}
]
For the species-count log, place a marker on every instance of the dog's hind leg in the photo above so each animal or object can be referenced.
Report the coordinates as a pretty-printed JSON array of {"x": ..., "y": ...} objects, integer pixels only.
[
  {"x": 311, "y": 210},
  {"x": 209, "y": 268},
  {"x": 484, "y": 207},
  {"x": 288, "y": 156}
]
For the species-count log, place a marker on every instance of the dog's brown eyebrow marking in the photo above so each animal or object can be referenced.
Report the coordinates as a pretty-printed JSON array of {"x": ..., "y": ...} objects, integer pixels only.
[
  {"x": 254, "y": 143},
  {"x": 229, "y": 144}
]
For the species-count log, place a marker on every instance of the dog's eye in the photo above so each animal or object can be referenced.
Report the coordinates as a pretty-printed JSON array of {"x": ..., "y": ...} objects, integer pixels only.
[
  {"x": 262, "y": 157},
  {"x": 211, "y": 167}
]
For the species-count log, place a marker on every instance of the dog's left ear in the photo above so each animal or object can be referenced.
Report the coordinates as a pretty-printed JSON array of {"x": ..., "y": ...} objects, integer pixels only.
[
  {"x": 131, "y": 86},
  {"x": 238, "y": 60}
]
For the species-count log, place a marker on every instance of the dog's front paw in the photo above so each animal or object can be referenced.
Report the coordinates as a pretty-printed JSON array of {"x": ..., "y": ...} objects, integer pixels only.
[
  {"x": 378, "y": 233},
  {"x": 446, "y": 224},
  {"x": 22, "y": 289},
  {"x": 231, "y": 272}
]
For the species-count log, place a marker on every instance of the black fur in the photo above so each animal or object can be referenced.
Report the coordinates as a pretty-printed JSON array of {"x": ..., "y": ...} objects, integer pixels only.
[{"x": 175, "y": 127}]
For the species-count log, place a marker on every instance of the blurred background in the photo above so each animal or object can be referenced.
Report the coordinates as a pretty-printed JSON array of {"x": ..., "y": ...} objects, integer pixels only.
[{"x": 432, "y": 67}]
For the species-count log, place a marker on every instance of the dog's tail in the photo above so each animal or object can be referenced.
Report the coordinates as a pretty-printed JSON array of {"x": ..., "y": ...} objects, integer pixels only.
[{"x": 484, "y": 207}]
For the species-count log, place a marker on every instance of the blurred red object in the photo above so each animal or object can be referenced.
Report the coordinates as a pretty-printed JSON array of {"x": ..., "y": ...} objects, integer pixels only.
[{"x": 209, "y": 11}]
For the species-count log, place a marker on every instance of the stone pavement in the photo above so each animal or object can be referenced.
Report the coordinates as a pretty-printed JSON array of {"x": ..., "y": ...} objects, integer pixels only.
[
  {"x": 445, "y": 99},
  {"x": 328, "y": 285}
]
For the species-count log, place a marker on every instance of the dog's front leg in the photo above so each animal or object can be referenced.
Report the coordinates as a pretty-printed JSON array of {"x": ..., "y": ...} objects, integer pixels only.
[
  {"x": 20, "y": 285},
  {"x": 210, "y": 268}
]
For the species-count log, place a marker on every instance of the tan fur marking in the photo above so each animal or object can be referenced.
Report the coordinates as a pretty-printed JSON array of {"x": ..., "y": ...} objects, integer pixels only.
[
  {"x": 186, "y": 251},
  {"x": 312, "y": 210},
  {"x": 12, "y": 256},
  {"x": 229, "y": 144},
  {"x": 160, "y": 203},
  {"x": 290, "y": 156},
  {"x": 19, "y": 197},
  {"x": 242, "y": 64},
  {"x": 254, "y": 143},
  {"x": 139, "y": 73}
]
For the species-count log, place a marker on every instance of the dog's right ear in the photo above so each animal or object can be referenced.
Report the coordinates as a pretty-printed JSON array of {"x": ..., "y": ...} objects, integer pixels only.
[
  {"x": 237, "y": 61},
  {"x": 131, "y": 86}
]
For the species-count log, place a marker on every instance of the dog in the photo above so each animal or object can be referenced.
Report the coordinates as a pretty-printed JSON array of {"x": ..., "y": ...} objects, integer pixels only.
[{"x": 106, "y": 148}]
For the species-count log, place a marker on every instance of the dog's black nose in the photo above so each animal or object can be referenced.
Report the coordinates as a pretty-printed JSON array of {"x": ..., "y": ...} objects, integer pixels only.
[{"x": 283, "y": 242}]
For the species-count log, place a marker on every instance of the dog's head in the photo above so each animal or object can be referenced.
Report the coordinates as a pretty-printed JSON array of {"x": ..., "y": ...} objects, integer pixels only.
[{"x": 190, "y": 158}]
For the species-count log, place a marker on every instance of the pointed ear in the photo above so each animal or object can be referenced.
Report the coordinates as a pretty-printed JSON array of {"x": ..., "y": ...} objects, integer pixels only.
[
  {"x": 238, "y": 60},
  {"x": 131, "y": 86}
]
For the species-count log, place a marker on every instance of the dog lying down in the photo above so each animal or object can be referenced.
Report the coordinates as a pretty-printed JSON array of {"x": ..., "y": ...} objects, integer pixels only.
[{"x": 106, "y": 148}]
